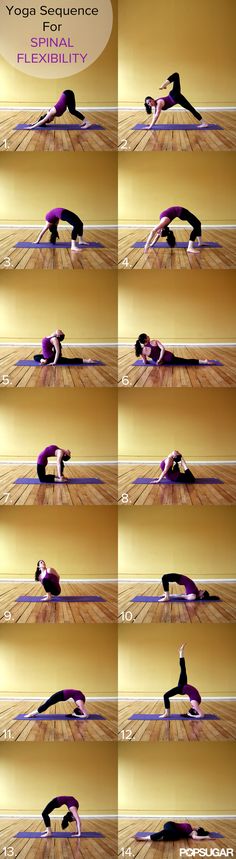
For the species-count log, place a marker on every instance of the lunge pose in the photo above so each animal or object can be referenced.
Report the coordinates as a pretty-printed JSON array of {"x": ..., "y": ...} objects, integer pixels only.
[
  {"x": 49, "y": 578},
  {"x": 61, "y": 455},
  {"x": 156, "y": 351},
  {"x": 191, "y": 590},
  {"x": 52, "y": 219},
  {"x": 170, "y": 467},
  {"x": 184, "y": 688},
  {"x": 175, "y": 832},
  {"x": 65, "y": 102},
  {"x": 162, "y": 229},
  {"x": 52, "y": 351},
  {"x": 166, "y": 102},
  {"x": 74, "y": 695},
  {"x": 72, "y": 814}
]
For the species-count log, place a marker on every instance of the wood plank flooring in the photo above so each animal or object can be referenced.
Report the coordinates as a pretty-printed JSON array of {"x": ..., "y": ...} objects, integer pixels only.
[
  {"x": 187, "y": 730},
  {"x": 184, "y": 612},
  {"x": 58, "y": 377},
  {"x": 57, "y": 258},
  {"x": 73, "y": 495},
  {"x": 178, "y": 377},
  {"x": 65, "y": 849},
  {"x": 178, "y": 493},
  {"x": 58, "y": 141},
  {"x": 72, "y": 730},
  {"x": 177, "y": 258},
  {"x": 51, "y": 612},
  {"x": 170, "y": 850},
  {"x": 172, "y": 141}
]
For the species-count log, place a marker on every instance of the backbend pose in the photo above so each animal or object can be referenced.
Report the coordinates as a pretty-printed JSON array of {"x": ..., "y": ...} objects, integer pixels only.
[
  {"x": 184, "y": 688},
  {"x": 175, "y": 832},
  {"x": 170, "y": 469},
  {"x": 191, "y": 591},
  {"x": 65, "y": 102},
  {"x": 165, "y": 102},
  {"x": 52, "y": 219},
  {"x": 72, "y": 814},
  {"x": 162, "y": 229},
  {"x": 75, "y": 695},
  {"x": 61, "y": 455},
  {"x": 155, "y": 351},
  {"x": 49, "y": 578},
  {"x": 52, "y": 351}
]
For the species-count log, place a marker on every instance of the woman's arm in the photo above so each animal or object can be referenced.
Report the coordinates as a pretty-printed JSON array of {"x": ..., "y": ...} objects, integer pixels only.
[
  {"x": 48, "y": 118},
  {"x": 156, "y": 232},
  {"x": 162, "y": 352},
  {"x": 82, "y": 707},
  {"x": 77, "y": 819},
  {"x": 51, "y": 570},
  {"x": 43, "y": 231},
  {"x": 168, "y": 464},
  {"x": 199, "y": 837},
  {"x": 146, "y": 351},
  {"x": 56, "y": 343},
  {"x": 160, "y": 104}
]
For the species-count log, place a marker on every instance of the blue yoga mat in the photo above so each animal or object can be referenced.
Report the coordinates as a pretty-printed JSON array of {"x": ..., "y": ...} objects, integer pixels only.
[
  {"x": 178, "y": 127},
  {"x": 59, "y": 717},
  {"x": 43, "y": 245},
  {"x": 212, "y": 834},
  {"x": 175, "y": 717},
  {"x": 34, "y": 481},
  {"x": 59, "y": 127},
  {"x": 151, "y": 363},
  {"x": 29, "y": 362},
  {"x": 30, "y": 834},
  {"x": 60, "y": 599},
  {"x": 204, "y": 480},
  {"x": 173, "y": 599},
  {"x": 177, "y": 245}
]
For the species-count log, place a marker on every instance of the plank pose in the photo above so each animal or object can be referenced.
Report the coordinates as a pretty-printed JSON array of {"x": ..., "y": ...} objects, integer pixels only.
[
  {"x": 52, "y": 351},
  {"x": 184, "y": 688},
  {"x": 49, "y": 578},
  {"x": 156, "y": 351},
  {"x": 166, "y": 102},
  {"x": 61, "y": 455},
  {"x": 72, "y": 814},
  {"x": 74, "y": 695},
  {"x": 65, "y": 102},
  {"x": 171, "y": 470},
  {"x": 162, "y": 228},
  {"x": 52, "y": 219}
]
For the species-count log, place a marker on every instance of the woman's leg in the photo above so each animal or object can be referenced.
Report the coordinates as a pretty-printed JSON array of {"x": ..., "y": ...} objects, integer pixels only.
[
  {"x": 46, "y": 818},
  {"x": 43, "y": 477},
  {"x": 183, "y": 673},
  {"x": 39, "y": 358},
  {"x": 170, "y": 694},
  {"x": 54, "y": 699},
  {"x": 70, "y": 97},
  {"x": 187, "y": 477},
  {"x": 166, "y": 579},
  {"x": 185, "y": 103}
]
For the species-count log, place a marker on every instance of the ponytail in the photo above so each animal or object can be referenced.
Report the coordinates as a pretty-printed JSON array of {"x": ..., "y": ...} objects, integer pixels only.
[
  {"x": 169, "y": 235},
  {"x": 140, "y": 344},
  {"x": 147, "y": 106},
  {"x": 37, "y": 572},
  {"x": 68, "y": 818}
]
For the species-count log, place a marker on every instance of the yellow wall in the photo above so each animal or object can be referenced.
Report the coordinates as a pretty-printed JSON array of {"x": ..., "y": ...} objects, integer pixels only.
[
  {"x": 39, "y": 660},
  {"x": 144, "y": 62},
  {"x": 149, "y": 658},
  {"x": 78, "y": 542},
  {"x": 150, "y": 182},
  {"x": 202, "y": 303},
  {"x": 32, "y": 419},
  {"x": 35, "y": 183},
  {"x": 200, "y": 423},
  {"x": 85, "y": 307},
  {"x": 32, "y": 774},
  {"x": 177, "y": 778},
  {"x": 199, "y": 541}
]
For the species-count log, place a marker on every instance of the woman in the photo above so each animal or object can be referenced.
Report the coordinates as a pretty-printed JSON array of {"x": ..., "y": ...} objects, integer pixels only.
[
  {"x": 191, "y": 590},
  {"x": 171, "y": 470},
  {"x": 75, "y": 695},
  {"x": 174, "y": 97},
  {"x": 155, "y": 351},
  {"x": 72, "y": 814},
  {"x": 184, "y": 688},
  {"x": 162, "y": 229},
  {"x": 175, "y": 832},
  {"x": 52, "y": 351},
  {"x": 52, "y": 219},
  {"x": 65, "y": 102},
  {"x": 61, "y": 455},
  {"x": 49, "y": 578}
]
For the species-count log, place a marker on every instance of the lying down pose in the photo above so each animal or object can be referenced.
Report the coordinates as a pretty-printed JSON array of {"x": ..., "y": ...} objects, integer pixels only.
[
  {"x": 184, "y": 688},
  {"x": 175, "y": 832},
  {"x": 74, "y": 695}
]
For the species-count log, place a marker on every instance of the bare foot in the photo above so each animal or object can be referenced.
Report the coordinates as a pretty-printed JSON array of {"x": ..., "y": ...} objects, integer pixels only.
[
  {"x": 192, "y": 251},
  {"x": 203, "y": 125},
  {"x": 164, "y": 599}
]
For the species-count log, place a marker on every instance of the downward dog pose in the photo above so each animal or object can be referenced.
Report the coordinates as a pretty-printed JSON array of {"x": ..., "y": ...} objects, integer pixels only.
[
  {"x": 65, "y": 102},
  {"x": 52, "y": 351},
  {"x": 191, "y": 590},
  {"x": 49, "y": 578},
  {"x": 175, "y": 831},
  {"x": 75, "y": 695},
  {"x": 155, "y": 350},
  {"x": 61, "y": 455},
  {"x": 72, "y": 814},
  {"x": 170, "y": 469},
  {"x": 175, "y": 97},
  {"x": 162, "y": 229},
  {"x": 184, "y": 688},
  {"x": 52, "y": 219}
]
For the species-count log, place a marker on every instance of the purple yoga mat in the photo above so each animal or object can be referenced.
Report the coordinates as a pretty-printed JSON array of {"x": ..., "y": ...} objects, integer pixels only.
[
  {"x": 28, "y": 362},
  {"x": 212, "y": 834},
  {"x": 59, "y": 717},
  {"x": 175, "y": 717},
  {"x": 60, "y": 599},
  {"x": 177, "y": 245},
  {"x": 43, "y": 245},
  {"x": 172, "y": 599},
  {"x": 172, "y": 127},
  {"x": 34, "y": 481},
  {"x": 30, "y": 834},
  {"x": 139, "y": 363},
  {"x": 60, "y": 127},
  {"x": 146, "y": 480}
]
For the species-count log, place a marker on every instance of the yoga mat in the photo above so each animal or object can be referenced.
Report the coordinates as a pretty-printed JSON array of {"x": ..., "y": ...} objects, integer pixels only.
[
  {"x": 29, "y": 362},
  {"x": 164, "y": 482},
  {"x": 139, "y": 363},
  {"x": 177, "y": 245},
  {"x": 59, "y": 127},
  {"x": 173, "y": 599},
  {"x": 212, "y": 834},
  {"x": 58, "y": 245},
  {"x": 59, "y": 717},
  {"x": 59, "y": 835},
  {"x": 172, "y": 127},
  {"x": 35, "y": 481},
  {"x": 175, "y": 717},
  {"x": 60, "y": 599}
]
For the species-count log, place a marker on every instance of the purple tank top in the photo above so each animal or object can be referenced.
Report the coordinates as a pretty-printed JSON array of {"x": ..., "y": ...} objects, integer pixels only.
[
  {"x": 189, "y": 585},
  {"x": 172, "y": 213},
  {"x": 48, "y": 451},
  {"x": 51, "y": 577},
  {"x": 192, "y": 693},
  {"x": 173, "y": 473},
  {"x": 155, "y": 354},
  {"x": 61, "y": 105},
  {"x": 53, "y": 215},
  {"x": 47, "y": 348},
  {"x": 169, "y": 101},
  {"x": 67, "y": 800},
  {"x": 73, "y": 693},
  {"x": 186, "y": 828}
]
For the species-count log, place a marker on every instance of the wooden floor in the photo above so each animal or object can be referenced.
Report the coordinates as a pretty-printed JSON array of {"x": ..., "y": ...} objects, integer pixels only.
[
  {"x": 71, "y": 494},
  {"x": 184, "y": 612},
  {"x": 57, "y": 258},
  {"x": 52, "y": 612},
  {"x": 72, "y": 730},
  {"x": 187, "y": 730},
  {"x": 53, "y": 377},
  {"x": 172, "y": 141},
  {"x": 178, "y": 377},
  {"x": 65, "y": 849},
  {"x": 178, "y": 493},
  {"x": 170, "y": 850},
  {"x": 58, "y": 141},
  {"x": 178, "y": 258}
]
